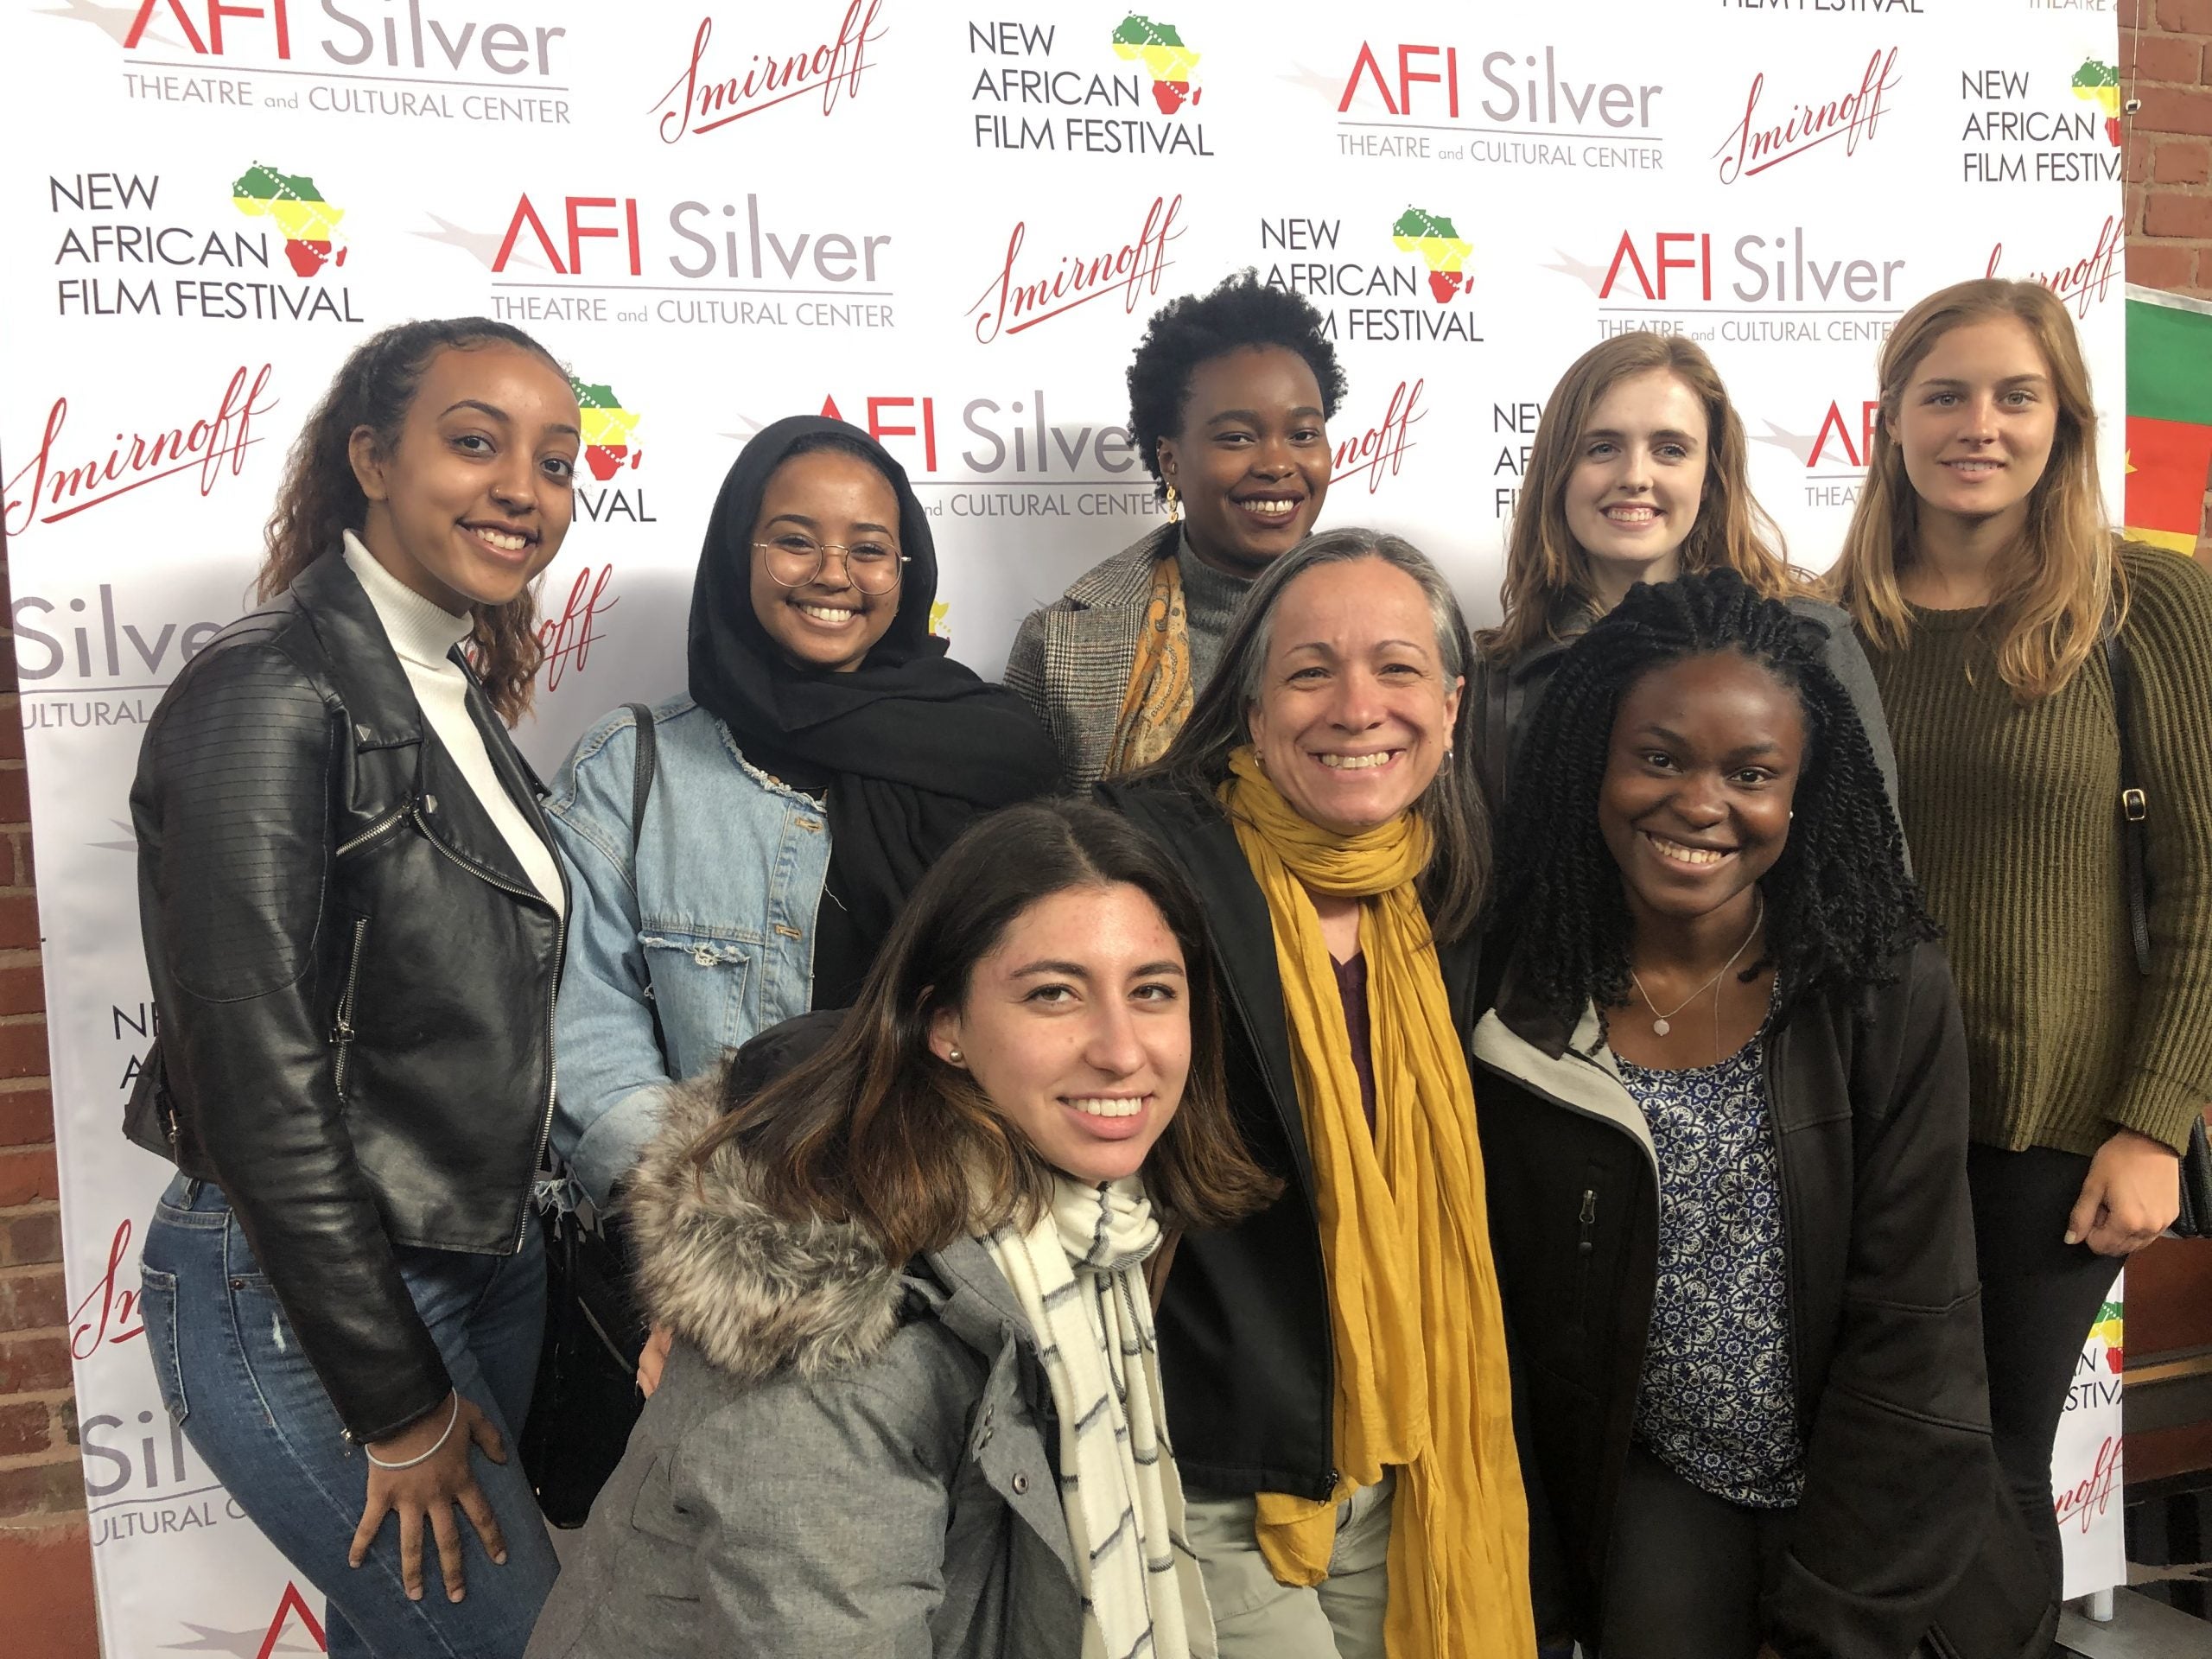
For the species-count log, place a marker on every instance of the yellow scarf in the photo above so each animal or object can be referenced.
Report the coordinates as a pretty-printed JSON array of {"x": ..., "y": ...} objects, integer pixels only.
[
  {"x": 1159, "y": 697},
  {"x": 1416, "y": 1319}
]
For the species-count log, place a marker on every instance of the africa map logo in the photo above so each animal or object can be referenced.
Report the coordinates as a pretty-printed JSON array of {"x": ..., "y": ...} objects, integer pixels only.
[
  {"x": 607, "y": 428},
  {"x": 2109, "y": 1328},
  {"x": 1171, "y": 64},
  {"x": 2099, "y": 83},
  {"x": 308, "y": 223},
  {"x": 1440, "y": 246}
]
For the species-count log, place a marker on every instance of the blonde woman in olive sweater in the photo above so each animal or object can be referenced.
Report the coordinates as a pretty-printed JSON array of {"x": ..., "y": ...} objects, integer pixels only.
[{"x": 1981, "y": 573}]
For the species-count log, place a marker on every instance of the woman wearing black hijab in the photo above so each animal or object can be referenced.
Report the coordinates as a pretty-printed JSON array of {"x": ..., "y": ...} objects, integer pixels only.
[{"x": 826, "y": 752}]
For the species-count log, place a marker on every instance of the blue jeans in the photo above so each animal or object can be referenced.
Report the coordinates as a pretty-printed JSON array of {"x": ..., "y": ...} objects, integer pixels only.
[{"x": 233, "y": 1374}]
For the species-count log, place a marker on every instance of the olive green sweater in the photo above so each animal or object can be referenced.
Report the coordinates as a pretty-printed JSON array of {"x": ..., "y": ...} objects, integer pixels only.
[{"x": 2012, "y": 813}]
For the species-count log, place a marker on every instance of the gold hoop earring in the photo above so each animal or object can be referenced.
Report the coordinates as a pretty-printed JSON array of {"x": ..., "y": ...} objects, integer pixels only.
[{"x": 1174, "y": 506}]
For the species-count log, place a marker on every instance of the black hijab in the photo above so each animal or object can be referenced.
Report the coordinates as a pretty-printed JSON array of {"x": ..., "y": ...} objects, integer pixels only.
[{"x": 910, "y": 746}]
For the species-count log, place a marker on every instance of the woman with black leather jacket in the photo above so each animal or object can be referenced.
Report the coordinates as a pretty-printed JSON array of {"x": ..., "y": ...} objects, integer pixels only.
[{"x": 353, "y": 922}]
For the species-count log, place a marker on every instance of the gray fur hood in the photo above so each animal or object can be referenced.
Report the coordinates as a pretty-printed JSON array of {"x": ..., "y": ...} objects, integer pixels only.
[{"x": 753, "y": 1291}]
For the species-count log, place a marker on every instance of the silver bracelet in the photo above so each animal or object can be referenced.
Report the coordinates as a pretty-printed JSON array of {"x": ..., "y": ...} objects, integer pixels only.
[{"x": 425, "y": 1458}]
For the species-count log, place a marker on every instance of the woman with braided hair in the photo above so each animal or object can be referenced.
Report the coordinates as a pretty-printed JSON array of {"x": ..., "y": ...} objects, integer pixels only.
[{"x": 1724, "y": 1122}]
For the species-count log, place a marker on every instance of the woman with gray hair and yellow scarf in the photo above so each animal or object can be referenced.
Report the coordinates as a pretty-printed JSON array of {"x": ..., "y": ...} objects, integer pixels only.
[{"x": 1337, "y": 1361}]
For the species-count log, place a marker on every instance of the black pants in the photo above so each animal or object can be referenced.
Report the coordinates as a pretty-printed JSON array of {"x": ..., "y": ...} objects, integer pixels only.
[
  {"x": 1683, "y": 1576},
  {"x": 2039, "y": 1296}
]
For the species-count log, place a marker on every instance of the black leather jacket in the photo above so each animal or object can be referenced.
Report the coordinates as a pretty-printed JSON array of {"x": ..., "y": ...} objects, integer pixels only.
[{"x": 355, "y": 980}]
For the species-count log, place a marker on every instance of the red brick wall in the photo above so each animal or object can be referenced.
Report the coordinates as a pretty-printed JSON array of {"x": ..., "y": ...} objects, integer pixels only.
[{"x": 2166, "y": 63}]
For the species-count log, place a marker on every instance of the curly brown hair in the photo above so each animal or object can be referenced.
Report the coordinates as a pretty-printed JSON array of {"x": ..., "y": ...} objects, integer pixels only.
[{"x": 321, "y": 498}]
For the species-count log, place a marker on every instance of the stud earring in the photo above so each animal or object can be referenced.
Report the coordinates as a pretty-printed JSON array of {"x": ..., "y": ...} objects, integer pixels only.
[
  {"x": 953, "y": 1057},
  {"x": 1174, "y": 505}
]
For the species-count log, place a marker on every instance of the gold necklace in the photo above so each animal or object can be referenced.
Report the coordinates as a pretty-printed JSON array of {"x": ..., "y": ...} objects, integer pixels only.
[{"x": 1663, "y": 1023}]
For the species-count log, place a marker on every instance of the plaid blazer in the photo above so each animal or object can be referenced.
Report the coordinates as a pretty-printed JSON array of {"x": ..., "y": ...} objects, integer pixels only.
[{"x": 1072, "y": 658}]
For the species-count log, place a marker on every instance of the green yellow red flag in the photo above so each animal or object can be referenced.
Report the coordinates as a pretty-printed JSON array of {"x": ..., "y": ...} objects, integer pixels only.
[{"x": 2168, "y": 416}]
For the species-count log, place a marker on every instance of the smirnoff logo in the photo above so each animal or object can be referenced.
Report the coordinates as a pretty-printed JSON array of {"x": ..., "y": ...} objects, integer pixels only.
[
  {"x": 1379, "y": 452},
  {"x": 1024, "y": 294},
  {"x": 60, "y": 482},
  {"x": 704, "y": 99},
  {"x": 109, "y": 1312},
  {"x": 2080, "y": 1504},
  {"x": 568, "y": 639},
  {"x": 2082, "y": 283},
  {"x": 1760, "y": 142}
]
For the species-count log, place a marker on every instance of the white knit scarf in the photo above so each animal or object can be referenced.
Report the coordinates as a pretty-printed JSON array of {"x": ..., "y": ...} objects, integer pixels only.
[{"x": 1078, "y": 1274}]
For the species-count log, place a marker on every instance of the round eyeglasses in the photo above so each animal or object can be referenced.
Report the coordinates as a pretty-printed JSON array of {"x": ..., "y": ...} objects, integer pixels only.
[{"x": 794, "y": 560}]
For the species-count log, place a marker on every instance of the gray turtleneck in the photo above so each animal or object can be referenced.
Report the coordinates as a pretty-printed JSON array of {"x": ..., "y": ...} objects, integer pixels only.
[{"x": 1210, "y": 599}]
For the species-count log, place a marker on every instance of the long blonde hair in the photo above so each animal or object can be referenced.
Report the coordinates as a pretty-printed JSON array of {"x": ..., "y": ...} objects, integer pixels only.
[
  {"x": 1545, "y": 563},
  {"x": 2054, "y": 585}
]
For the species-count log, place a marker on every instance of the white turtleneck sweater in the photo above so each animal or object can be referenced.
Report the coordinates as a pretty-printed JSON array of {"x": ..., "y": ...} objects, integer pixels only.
[{"x": 422, "y": 636}]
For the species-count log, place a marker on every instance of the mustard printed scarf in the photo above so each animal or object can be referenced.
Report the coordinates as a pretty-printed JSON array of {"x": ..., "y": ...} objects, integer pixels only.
[
  {"x": 1159, "y": 694},
  {"x": 1417, "y": 1326}
]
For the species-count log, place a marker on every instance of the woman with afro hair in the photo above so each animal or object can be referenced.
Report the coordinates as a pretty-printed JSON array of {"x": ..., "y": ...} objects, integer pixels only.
[
  {"x": 1724, "y": 1124},
  {"x": 1230, "y": 397}
]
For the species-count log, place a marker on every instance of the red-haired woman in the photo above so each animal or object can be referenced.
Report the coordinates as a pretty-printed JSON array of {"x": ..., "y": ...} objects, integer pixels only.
[{"x": 1638, "y": 474}]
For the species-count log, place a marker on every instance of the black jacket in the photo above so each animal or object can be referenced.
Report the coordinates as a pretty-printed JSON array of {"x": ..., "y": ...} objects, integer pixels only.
[
  {"x": 1903, "y": 1522},
  {"x": 1246, "y": 1358},
  {"x": 355, "y": 978}
]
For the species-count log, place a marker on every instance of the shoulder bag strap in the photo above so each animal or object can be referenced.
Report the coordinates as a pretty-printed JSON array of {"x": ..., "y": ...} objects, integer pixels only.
[
  {"x": 641, "y": 784},
  {"x": 641, "y": 790},
  {"x": 2195, "y": 1219},
  {"x": 2134, "y": 805}
]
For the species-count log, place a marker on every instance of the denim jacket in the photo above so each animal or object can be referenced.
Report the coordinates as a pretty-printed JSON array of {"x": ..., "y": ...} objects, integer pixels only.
[{"x": 708, "y": 918}]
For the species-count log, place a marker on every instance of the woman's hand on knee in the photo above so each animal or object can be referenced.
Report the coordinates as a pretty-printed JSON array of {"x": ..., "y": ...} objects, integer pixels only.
[
  {"x": 2132, "y": 1195},
  {"x": 428, "y": 1490}
]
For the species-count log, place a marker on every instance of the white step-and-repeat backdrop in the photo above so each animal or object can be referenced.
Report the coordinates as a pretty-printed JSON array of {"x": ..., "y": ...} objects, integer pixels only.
[{"x": 946, "y": 223}]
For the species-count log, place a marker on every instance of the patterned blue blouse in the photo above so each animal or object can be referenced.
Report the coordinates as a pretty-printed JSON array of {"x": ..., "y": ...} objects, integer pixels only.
[{"x": 1717, "y": 1404}]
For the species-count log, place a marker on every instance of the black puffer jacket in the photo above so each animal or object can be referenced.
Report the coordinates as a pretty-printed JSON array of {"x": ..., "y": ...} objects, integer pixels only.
[
  {"x": 1904, "y": 1529},
  {"x": 354, "y": 976}
]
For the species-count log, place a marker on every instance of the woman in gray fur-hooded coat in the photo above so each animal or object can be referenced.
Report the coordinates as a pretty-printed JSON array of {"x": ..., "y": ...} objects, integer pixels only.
[{"x": 913, "y": 1408}]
